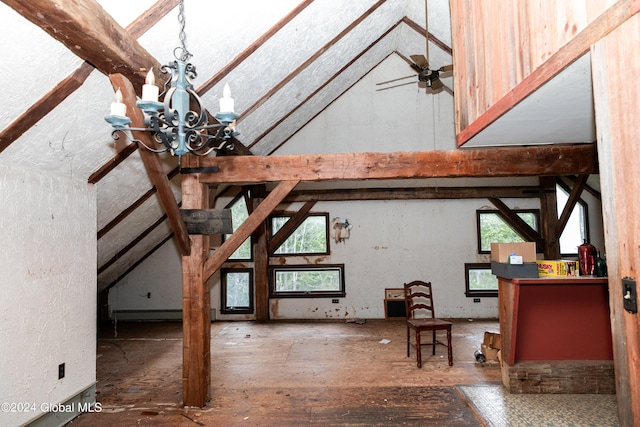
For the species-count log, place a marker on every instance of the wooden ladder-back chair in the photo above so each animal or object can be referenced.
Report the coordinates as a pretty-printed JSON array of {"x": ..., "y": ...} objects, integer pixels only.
[{"x": 421, "y": 318}]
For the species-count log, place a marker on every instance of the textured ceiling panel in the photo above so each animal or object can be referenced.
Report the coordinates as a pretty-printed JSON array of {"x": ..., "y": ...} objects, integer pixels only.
[
  {"x": 33, "y": 63},
  {"x": 123, "y": 186},
  {"x": 111, "y": 274}
]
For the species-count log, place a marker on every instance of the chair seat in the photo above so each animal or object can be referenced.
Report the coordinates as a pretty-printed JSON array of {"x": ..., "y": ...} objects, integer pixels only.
[{"x": 429, "y": 323}]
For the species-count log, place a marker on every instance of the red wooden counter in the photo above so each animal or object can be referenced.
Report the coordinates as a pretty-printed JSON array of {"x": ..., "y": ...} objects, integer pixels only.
[{"x": 563, "y": 322}]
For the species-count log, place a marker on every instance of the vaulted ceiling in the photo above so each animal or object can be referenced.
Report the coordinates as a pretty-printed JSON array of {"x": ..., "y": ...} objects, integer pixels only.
[{"x": 286, "y": 61}]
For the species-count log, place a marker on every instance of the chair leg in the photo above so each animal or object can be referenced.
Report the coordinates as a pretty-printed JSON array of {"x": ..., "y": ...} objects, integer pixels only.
[
  {"x": 434, "y": 342},
  {"x": 408, "y": 342},
  {"x": 418, "y": 351},
  {"x": 450, "y": 350}
]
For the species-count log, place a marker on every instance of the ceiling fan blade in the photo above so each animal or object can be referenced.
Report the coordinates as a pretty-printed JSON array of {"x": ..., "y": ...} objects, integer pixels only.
[
  {"x": 420, "y": 60},
  {"x": 446, "y": 68},
  {"x": 436, "y": 84}
]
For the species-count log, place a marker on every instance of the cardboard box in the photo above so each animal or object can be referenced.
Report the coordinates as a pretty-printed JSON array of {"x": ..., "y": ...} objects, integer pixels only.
[
  {"x": 560, "y": 267},
  {"x": 515, "y": 271},
  {"x": 489, "y": 353},
  {"x": 500, "y": 251},
  {"x": 492, "y": 340}
]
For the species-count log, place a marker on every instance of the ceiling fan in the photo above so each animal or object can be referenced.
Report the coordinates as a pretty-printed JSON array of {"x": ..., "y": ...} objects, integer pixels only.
[{"x": 420, "y": 63}]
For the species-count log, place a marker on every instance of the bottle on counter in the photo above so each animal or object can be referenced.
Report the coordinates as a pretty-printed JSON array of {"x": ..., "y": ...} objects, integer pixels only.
[{"x": 601, "y": 265}]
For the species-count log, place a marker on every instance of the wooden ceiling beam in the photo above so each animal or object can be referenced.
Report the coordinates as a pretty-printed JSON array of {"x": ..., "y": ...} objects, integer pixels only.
[
  {"x": 411, "y": 193},
  {"x": 492, "y": 162}
]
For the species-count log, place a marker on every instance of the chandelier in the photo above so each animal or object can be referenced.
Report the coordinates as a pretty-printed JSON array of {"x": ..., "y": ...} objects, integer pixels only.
[{"x": 174, "y": 126}]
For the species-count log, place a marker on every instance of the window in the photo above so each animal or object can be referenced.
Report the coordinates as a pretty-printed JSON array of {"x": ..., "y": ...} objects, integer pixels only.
[
  {"x": 493, "y": 228},
  {"x": 239, "y": 213},
  {"x": 308, "y": 281},
  {"x": 311, "y": 237},
  {"x": 479, "y": 281},
  {"x": 576, "y": 231},
  {"x": 237, "y": 290}
]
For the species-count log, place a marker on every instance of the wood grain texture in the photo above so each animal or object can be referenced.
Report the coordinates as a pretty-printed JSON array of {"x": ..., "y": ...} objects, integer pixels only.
[
  {"x": 196, "y": 305},
  {"x": 616, "y": 105},
  {"x": 494, "y": 162},
  {"x": 496, "y": 69}
]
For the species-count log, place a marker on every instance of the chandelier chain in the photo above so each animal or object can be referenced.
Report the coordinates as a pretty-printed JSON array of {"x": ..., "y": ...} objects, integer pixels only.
[{"x": 184, "y": 53}]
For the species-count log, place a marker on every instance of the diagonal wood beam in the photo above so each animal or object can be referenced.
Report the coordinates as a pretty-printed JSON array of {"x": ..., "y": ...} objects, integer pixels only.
[
  {"x": 494, "y": 162},
  {"x": 611, "y": 19},
  {"x": 520, "y": 226},
  {"x": 259, "y": 214},
  {"x": 576, "y": 191},
  {"x": 290, "y": 226},
  {"x": 44, "y": 105},
  {"x": 152, "y": 163}
]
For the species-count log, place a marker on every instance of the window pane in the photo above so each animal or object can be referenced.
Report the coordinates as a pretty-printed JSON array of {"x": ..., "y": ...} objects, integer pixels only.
[
  {"x": 238, "y": 290},
  {"x": 239, "y": 214},
  {"x": 575, "y": 232},
  {"x": 309, "y": 237},
  {"x": 305, "y": 281},
  {"x": 493, "y": 229},
  {"x": 480, "y": 281}
]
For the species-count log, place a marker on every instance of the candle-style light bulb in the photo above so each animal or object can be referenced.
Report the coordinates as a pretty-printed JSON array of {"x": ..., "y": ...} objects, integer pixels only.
[
  {"x": 226, "y": 102},
  {"x": 117, "y": 107},
  {"x": 149, "y": 90}
]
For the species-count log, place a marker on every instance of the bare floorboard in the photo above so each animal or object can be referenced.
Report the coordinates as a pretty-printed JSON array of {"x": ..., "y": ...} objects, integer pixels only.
[{"x": 288, "y": 374}]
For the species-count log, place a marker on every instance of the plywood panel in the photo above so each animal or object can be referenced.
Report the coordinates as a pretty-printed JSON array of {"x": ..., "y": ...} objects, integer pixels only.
[{"x": 497, "y": 44}]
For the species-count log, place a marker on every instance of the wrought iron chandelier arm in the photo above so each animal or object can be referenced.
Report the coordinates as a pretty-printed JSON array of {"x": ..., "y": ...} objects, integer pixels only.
[
  {"x": 176, "y": 126},
  {"x": 126, "y": 132}
]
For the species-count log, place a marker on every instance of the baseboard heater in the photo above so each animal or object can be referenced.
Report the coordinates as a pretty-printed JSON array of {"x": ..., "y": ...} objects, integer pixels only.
[{"x": 151, "y": 315}]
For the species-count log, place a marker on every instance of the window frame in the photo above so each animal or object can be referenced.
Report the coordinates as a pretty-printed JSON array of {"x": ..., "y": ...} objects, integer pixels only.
[
  {"x": 224, "y": 309},
  {"x": 327, "y": 250},
  {"x": 585, "y": 208},
  {"x": 479, "y": 212},
  {"x": 273, "y": 270},
  {"x": 475, "y": 293}
]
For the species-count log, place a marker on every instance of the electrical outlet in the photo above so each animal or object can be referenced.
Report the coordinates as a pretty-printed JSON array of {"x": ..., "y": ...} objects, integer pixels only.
[
  {"x": 335, "y": 301},
  {"x": 476, "y": 300},
  {"x": 61, "y": 371}
]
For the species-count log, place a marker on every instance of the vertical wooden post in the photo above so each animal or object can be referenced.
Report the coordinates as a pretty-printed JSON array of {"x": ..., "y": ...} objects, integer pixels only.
[
  {"x": 261, "y": 259},
  {"x": 617, "y": 98},
  {"x": 549, "y": 214},
  {"x": 196, "y": 302}
]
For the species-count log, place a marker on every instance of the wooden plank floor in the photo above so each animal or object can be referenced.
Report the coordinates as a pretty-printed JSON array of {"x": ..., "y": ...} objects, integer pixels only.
[{"x": 288, "y": 373}]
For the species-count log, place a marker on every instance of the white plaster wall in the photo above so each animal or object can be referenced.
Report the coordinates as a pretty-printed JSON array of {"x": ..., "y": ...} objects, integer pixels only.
[
  {"x": 47, "y": 288},
  {"x": 160, "y": 275},
  {"x": 393, "y": 242}
]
